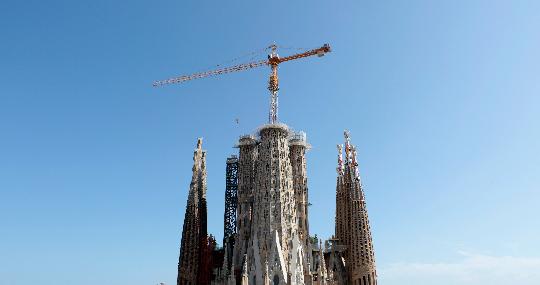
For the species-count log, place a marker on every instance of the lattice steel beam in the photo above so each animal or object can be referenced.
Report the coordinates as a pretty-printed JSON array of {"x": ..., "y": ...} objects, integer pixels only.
[{"x": 231, "y": 198}]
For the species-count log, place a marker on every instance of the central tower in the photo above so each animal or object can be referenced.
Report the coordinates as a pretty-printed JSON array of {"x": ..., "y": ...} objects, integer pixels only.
[{"x": 271, "y": 247}]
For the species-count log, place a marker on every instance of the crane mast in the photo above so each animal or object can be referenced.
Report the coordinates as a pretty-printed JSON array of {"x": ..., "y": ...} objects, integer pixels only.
[{"x": 273, "y": 83}]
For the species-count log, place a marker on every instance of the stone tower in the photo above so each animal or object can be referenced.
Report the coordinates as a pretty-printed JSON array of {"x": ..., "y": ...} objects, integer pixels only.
[
  {"x": 192, "y": 263},
  {"x": 274, "y": 228},
  {"x": 268, "y": 239},
  {"x": 246, "y": 180},
  {"x": 352, "y": 224},
  {"x": 297, "y": 154}
]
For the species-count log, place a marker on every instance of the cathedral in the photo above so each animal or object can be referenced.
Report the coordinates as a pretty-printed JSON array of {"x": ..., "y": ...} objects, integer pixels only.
[{"x": 266, "y": 223}]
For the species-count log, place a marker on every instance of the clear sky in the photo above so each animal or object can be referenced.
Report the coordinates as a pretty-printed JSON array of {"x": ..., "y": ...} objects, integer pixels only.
[{"x": 441, "y": 98}]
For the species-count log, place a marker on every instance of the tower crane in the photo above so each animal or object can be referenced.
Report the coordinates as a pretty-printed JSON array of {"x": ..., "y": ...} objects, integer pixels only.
[{"x": 273, "y": 84}]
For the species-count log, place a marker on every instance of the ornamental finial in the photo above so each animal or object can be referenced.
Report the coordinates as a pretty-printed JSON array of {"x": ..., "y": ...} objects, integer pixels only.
[
  {"x": 347, "y": 146},
  {"x": 340, "y": 159}
]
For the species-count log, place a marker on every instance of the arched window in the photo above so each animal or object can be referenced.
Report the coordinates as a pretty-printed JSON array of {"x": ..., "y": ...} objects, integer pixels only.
[{"x": 276, "y": 280}]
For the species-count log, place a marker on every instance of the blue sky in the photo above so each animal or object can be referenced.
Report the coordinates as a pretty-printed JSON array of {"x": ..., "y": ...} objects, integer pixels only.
[{"x": 441, "y": 98}]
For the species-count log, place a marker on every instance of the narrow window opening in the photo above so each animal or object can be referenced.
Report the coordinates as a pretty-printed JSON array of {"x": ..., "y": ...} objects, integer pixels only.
[{"x": 276, "y": 280}]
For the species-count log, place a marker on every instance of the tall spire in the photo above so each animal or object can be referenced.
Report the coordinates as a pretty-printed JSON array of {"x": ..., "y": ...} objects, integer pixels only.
[
  {"x": 340, "y": 160},
  {"x": 193, "y": 261},
  {"x": 352, "y": 223}
]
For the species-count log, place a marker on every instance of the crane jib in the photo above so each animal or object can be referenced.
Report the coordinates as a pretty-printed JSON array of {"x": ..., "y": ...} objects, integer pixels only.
[{"x": 273, "y": 84}]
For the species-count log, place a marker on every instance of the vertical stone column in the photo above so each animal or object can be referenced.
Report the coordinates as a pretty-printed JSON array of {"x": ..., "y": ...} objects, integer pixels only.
[
  {"x": 194, "y": 239},
  {"x": 298, "y": 147},
  {"x": 275, "y": 224},
  {"x": 246, "y": 178},
  {"x": 274, "y": 197}
]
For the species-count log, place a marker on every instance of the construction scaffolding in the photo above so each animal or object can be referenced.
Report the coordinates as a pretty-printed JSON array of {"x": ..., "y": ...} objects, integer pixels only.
[
  {"x": 231, "y": 198},
  {"x": 231, "y": 203}
]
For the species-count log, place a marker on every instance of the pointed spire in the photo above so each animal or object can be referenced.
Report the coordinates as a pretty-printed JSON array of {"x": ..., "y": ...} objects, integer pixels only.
[
  {"x": 356, "y": 228},
  {"x": 192, "y": 263},
  {"x": 193, "y": 196},
  {"x": 347, "y": 146}
]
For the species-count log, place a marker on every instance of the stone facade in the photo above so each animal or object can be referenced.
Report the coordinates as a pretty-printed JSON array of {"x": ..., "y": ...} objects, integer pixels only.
[{"x": 272, "y": 242}]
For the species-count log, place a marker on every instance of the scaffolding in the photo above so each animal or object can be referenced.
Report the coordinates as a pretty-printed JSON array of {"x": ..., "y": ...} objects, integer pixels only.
[{"x": 231, "y": 198}]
